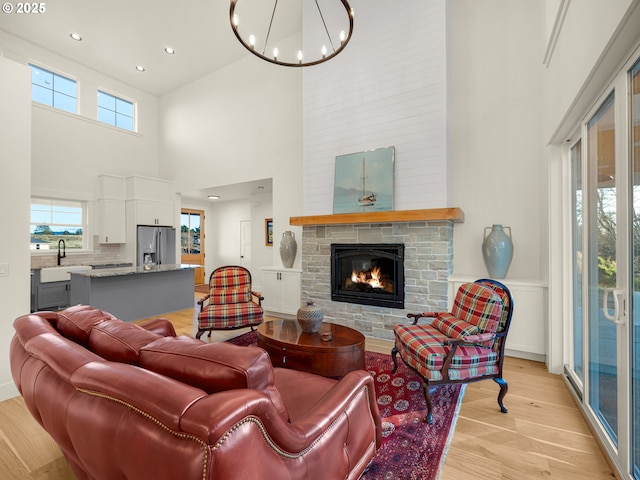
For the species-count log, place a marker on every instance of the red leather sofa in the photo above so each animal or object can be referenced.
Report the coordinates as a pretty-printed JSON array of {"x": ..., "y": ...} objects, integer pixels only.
[{"x": 128, "y": 401}]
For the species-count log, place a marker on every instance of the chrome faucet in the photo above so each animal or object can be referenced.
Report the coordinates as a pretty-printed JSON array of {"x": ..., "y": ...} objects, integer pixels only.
[{"x": 64, "y": 250}]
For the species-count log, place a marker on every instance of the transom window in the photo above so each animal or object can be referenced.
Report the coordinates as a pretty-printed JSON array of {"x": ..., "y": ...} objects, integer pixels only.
[
  {"x": 115, "y": 111},
  {"x": 52, "y": 89},
  {"x": 53, "y": 220}
]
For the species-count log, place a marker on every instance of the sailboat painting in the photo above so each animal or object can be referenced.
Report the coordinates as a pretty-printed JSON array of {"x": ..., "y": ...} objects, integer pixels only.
[{"x": 363, "y": 181}]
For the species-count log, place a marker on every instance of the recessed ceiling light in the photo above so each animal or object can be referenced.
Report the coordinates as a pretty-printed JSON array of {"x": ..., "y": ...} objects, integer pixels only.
[
  {"x": 170, "y": 50},
  {"x": 214, "y": 197},
  {"x": 140, "y": 68},
  {"x": 76, "y": 37}
]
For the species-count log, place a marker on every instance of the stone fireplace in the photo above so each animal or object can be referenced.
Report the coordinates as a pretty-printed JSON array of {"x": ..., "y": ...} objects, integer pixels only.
[{"x": 428, "y": 263}]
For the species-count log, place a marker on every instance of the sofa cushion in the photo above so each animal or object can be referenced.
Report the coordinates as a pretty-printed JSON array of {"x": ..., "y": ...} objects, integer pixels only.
[
  {"x": 161, "y": 326},
  {"x": 76, "y": 323},
  {"x": 213, "y": 367},
  {"x": 453, "y": 327},
  {"x": 299, "y": 400},
  {"x": 119, "y": 341}
]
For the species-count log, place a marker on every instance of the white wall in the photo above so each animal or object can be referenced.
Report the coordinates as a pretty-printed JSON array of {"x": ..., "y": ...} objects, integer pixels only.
[
  {"x": 498, "y": 170},
  {"x": 387, "y": 88},
  {"x": 261, "y": 254},
  {"x": 15, "y": 151},
  {"x": 71, "y": 150},
  {"x": 238, "y": 124},
  {"x": 223, "y": 241},
  {"x": 587, "y": 30}
]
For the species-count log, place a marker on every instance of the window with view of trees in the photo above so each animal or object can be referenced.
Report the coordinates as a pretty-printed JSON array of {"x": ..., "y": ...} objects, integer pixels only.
[
  {"x": 55, "y": 220},
  {"x": 52, "y": 89}
]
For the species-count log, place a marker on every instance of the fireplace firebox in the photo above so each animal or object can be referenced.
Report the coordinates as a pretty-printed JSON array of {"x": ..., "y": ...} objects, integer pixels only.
[{"x": 368, "y": 274}]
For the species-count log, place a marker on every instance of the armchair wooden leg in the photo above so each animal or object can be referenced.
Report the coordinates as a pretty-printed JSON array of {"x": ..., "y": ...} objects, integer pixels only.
[
  {"x": 199, "y": 334},
  {"x": 427, "y": 397},
  {"x": 394, "y": 352},
  {"x": 504, "y": 388}
]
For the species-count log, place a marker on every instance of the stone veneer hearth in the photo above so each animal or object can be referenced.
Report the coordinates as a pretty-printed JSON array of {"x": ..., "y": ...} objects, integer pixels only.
[{"x": 428, "y": 264}]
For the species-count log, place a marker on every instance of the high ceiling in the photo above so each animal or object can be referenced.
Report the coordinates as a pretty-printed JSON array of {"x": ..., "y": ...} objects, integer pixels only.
[{"x": 118, "y": 35}]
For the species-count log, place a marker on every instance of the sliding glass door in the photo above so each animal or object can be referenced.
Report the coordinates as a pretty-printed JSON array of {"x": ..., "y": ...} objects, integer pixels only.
[{"x": 604, "y": 364}]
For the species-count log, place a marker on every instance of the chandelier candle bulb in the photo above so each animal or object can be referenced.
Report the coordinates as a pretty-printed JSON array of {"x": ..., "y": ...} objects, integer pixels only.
[
  {"x": 275, "y": 53},
  {"x": 324, "y": 51},
  {"x": 235, "y": 21},
  {"x": 252, "y": 40},
  {"x": 299, "y": 56}
]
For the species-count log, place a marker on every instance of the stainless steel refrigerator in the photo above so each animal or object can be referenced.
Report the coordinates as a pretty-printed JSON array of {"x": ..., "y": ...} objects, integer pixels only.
[{"x": 156, "y": 245}]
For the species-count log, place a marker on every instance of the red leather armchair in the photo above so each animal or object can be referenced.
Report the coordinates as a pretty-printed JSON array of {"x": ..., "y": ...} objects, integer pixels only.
[{"x": 136, "y": 402}]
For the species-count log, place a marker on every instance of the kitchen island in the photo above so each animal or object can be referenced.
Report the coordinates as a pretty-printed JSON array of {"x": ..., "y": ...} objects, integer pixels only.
[{"x": 132, "y": 293}]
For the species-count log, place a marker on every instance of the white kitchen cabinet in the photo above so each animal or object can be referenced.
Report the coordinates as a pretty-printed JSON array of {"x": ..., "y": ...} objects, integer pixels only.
[
  {"x": 281, "y": 289},
  {"x": 152, "y": 213},
  {"x": 152, "y": 189},
  {"x": 112, "y": 225},
  {"x": 150, "y": 201},
  {"x": 527, "y": 336},
  {"x": 111, "y": 186}
]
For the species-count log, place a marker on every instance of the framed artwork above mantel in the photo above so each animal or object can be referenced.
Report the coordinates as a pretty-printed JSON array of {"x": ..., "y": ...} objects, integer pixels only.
[{"x": 363, "y": 181}]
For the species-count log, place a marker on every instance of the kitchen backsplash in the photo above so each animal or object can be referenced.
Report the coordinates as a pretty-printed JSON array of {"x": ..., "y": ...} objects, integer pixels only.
[{"x": 101, "y": 254}]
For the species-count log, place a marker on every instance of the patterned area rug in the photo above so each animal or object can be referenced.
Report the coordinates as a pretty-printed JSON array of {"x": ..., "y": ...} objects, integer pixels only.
[{"x": 411, "y": 448}]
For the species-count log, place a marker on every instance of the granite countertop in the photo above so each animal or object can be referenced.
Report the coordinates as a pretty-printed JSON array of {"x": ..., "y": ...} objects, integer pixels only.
[
  {"x": 117, "y": 272},
  {"x": 93, "y": 265}
]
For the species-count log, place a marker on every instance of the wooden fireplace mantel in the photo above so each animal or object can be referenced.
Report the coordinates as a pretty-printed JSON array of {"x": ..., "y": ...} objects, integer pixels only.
[{"x": 431, "y": 214}]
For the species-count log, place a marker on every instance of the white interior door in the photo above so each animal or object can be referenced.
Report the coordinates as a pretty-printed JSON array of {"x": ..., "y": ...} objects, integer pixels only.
[{"x": 245, "y": 243}]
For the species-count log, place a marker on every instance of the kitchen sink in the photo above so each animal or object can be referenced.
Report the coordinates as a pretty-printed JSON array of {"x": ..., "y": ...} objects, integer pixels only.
[{"x": 60, "y": 274}]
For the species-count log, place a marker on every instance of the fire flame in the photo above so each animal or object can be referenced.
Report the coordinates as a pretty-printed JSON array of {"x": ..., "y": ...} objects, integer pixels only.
[{"x": 362, "y": 277}]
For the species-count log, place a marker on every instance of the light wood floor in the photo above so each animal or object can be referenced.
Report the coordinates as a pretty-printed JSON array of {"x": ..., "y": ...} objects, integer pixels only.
[{"x": 542, "y": 437}]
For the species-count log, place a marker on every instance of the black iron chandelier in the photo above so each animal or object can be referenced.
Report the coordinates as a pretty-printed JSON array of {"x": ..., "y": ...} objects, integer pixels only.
[{"x": 329, "y": 44}]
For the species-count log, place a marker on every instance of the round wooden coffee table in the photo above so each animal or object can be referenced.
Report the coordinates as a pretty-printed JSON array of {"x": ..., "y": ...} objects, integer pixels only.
[{"x": 288, "y": 346}]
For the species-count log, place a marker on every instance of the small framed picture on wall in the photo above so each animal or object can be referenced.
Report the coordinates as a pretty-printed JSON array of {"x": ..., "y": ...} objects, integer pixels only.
[{"x": 268, "y": 232}]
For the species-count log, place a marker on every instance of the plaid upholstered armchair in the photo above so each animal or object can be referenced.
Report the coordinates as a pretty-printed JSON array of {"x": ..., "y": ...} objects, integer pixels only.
[
  {"x": 463, "y": 346},
  {"x": 231, "y": 303}
]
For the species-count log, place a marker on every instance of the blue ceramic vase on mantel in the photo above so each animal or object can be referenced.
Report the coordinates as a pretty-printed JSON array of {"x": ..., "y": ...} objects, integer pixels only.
[{"x": 497, "y": 251}]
